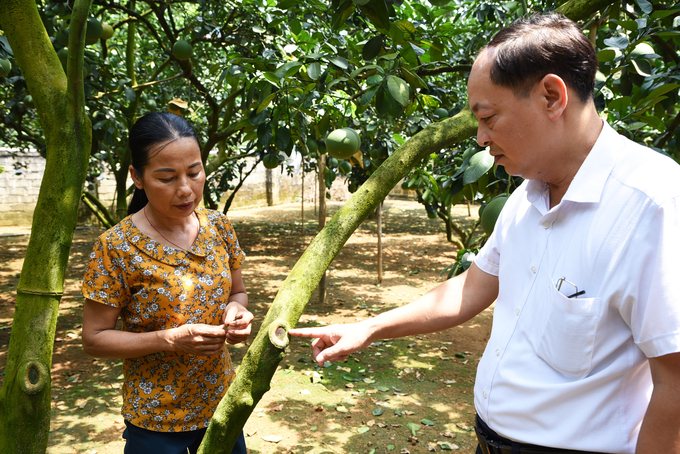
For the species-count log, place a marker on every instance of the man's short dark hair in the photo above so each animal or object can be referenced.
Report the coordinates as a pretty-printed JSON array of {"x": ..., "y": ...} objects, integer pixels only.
[{"x": 531, "y": 48}]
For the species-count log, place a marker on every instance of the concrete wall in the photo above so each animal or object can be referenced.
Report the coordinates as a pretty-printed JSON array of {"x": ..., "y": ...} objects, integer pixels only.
[
  {"x": 19, "y": 187},
  {"x": 19, "y": 190}
]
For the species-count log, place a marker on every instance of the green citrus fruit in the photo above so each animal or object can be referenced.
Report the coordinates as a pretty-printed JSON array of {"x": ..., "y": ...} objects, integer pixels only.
[
  {"x": 342, "y": 143},
  {"x": 151, "y": 104},
  {"x": 182, "y": 50},
  {"x": 441, "y": 113},
  {"x": 271, "y": 160},
  {"x": 312, "y": 145},
  {"x": 107, "y": 31},
  {"x": 5, "y": 67},
  {"x": 63, "y": 55},
  {"x": 431, "y": 212},
  {"x": 322, "y": 147},
  {"x": 28, "y": 100},
  {"x": 94, "y": 31},
  {"x": 62, "y": 36},
  {"x": 491, "y": 212},
  {"x": 344, "y": 167}
]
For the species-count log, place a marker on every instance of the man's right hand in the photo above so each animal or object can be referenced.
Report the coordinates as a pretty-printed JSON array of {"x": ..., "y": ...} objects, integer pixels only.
[{"x": 335, "y": 342}]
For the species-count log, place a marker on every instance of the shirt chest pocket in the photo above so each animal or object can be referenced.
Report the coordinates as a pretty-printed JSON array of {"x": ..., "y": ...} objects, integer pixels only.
[{"x": 568, "y": 340}]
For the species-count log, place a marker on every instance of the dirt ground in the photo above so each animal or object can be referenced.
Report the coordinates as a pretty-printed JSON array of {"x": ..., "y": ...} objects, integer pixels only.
[{"x": 405, "y": 395}]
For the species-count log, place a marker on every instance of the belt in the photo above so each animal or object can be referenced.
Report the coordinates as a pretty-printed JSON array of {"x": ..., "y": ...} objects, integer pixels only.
[{"x": 492, "y": 443}]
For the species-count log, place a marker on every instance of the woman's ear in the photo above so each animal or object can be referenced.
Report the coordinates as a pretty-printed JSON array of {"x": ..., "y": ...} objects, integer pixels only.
[
  {"x": 136, "y": 178},
  {"x": 556, "y": 95}
]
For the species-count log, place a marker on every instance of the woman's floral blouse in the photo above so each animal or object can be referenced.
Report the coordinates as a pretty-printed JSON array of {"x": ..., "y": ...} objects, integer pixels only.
[{"x": 158, "y": 287}]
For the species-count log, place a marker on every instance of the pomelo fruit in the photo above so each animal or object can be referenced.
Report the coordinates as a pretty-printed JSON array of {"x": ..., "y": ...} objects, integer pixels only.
[
  {"x": 93, "y": 31},
  {"x": 5, "y": 67},
  {"x": 182, "y": 50},
  {"x": 491, "y": 213},
  {"x": 342, "y": 143},
  {"x": 271, "y": 160},
  {"x": 107, "y": 31},
  {"x": 344, "y": 167},
  {"x": 440, "y": 113}
]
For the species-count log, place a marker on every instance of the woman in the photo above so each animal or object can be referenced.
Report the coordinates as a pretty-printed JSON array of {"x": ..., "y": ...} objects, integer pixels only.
[{"x": 171, "y": 272}]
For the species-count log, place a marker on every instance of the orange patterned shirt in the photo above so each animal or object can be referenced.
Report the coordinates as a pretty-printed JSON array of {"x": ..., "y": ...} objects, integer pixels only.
[{"x": 158, "y": 287}]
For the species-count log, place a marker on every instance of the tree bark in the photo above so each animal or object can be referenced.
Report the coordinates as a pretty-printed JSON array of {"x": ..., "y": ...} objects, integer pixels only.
[
  {"x": 25, "y": 394},
  {"x": 262, "y": 358}
]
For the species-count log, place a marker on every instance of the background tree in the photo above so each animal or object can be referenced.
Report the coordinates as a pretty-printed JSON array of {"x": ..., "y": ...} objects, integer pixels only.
[{"x": 25, "y": 399}]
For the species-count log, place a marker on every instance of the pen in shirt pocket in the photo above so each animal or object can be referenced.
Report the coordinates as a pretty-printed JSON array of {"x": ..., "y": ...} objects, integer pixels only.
[{"x": 570, "y": 290}]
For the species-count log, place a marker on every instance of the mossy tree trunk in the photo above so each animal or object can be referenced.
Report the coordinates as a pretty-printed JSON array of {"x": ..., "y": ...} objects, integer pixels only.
[
  {"x": 25, "y": 394},
  {"x": 267, "y": 351}
]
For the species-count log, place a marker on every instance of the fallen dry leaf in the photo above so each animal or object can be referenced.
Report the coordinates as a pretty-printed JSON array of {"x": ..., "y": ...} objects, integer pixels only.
[{"x": 272, "y": 438}]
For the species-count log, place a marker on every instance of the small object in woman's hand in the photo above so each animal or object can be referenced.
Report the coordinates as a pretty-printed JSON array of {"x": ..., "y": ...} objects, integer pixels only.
[{"x": 238, "y": 317}]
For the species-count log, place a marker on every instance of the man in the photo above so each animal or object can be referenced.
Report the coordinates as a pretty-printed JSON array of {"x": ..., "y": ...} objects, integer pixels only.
[{"x": 583, "y": 353}]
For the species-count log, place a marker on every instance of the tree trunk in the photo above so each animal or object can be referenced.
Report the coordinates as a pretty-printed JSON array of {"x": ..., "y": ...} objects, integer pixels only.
[
  {"x": 269, "y": 187},
  {"x": 267, "y": 350},
  {"x": 25, "y": 394}
]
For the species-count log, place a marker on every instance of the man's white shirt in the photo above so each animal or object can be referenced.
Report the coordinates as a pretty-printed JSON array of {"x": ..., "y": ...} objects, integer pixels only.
[{"x": 571, "y": 371}]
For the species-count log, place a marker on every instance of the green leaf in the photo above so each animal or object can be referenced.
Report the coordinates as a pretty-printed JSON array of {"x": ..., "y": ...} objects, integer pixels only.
[
  {"x": 391, "y": 447},
  {"x": 406, "y": 26},
  {"x": 382, "y": 388},
  {"x": 440, "y": 2},
  {"x": 377, "y": 411},
  {"x": 397, "y": 412},
  {"x": 340, "y": 62},
  {"x": 621, "y": 42},
  {"x": 413, "y": 428},
  {"x": 398, "y": 89},
  {"x": 314, "y": 70},
  {"x": 272, "y": 78},
  {"x": 265, "y": 103},
  {"x": 386, "y": 105},
  {"x": 264, "y": 135},
  {"x": 283, "y": 141},
  {"x": 645, "y": 6},
  {"x": 480, "y": 163},
  {"x": 642, "y": 66},
  {"x": 377, "y": 13},
  {"x": 372, "y": 48},
  {"x": 368, "y": 95},
  {"x": 348, "y": 377},
  {"x": 427, "y": 422},
  {"x": 662, "y": 90},
  {"x": 363, "y": 429},
  {"x": 341, "y": 409},
  {"x": 340, "y": 16},
  {"x": 288, "y": 4}
]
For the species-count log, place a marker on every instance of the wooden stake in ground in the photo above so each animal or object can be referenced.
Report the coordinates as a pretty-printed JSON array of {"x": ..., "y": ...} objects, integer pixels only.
[
  {"x": 302, "y": 214},
  {"x": 380, "y": 254},
  {"x": 322, "y": 219}
]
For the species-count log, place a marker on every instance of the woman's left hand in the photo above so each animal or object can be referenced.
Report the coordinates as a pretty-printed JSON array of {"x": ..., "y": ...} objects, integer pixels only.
[{"x": 238, "y": 322}]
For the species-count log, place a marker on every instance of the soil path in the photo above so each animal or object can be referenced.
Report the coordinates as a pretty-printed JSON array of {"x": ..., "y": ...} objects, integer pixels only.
[{"x": 405, "y": 395}]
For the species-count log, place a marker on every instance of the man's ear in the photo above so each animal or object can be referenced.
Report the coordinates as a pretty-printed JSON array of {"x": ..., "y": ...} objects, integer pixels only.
[
  {"x": 136, "y": 178},
  {"x": 556, "y": 95}
]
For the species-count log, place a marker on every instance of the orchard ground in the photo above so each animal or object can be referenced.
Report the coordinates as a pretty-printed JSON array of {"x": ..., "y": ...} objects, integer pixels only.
[{"x": 405, "y": 395}]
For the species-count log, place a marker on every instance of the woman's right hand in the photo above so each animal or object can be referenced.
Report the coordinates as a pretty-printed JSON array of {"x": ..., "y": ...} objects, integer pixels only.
[{"x": 198, "y": 339}]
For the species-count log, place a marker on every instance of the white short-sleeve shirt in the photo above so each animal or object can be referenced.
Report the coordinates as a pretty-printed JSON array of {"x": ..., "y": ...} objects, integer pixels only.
[{"x": 573, "y": 372}]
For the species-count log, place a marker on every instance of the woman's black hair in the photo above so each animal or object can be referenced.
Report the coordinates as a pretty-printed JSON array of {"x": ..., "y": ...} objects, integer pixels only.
[{"x": 149, "y": 135}]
